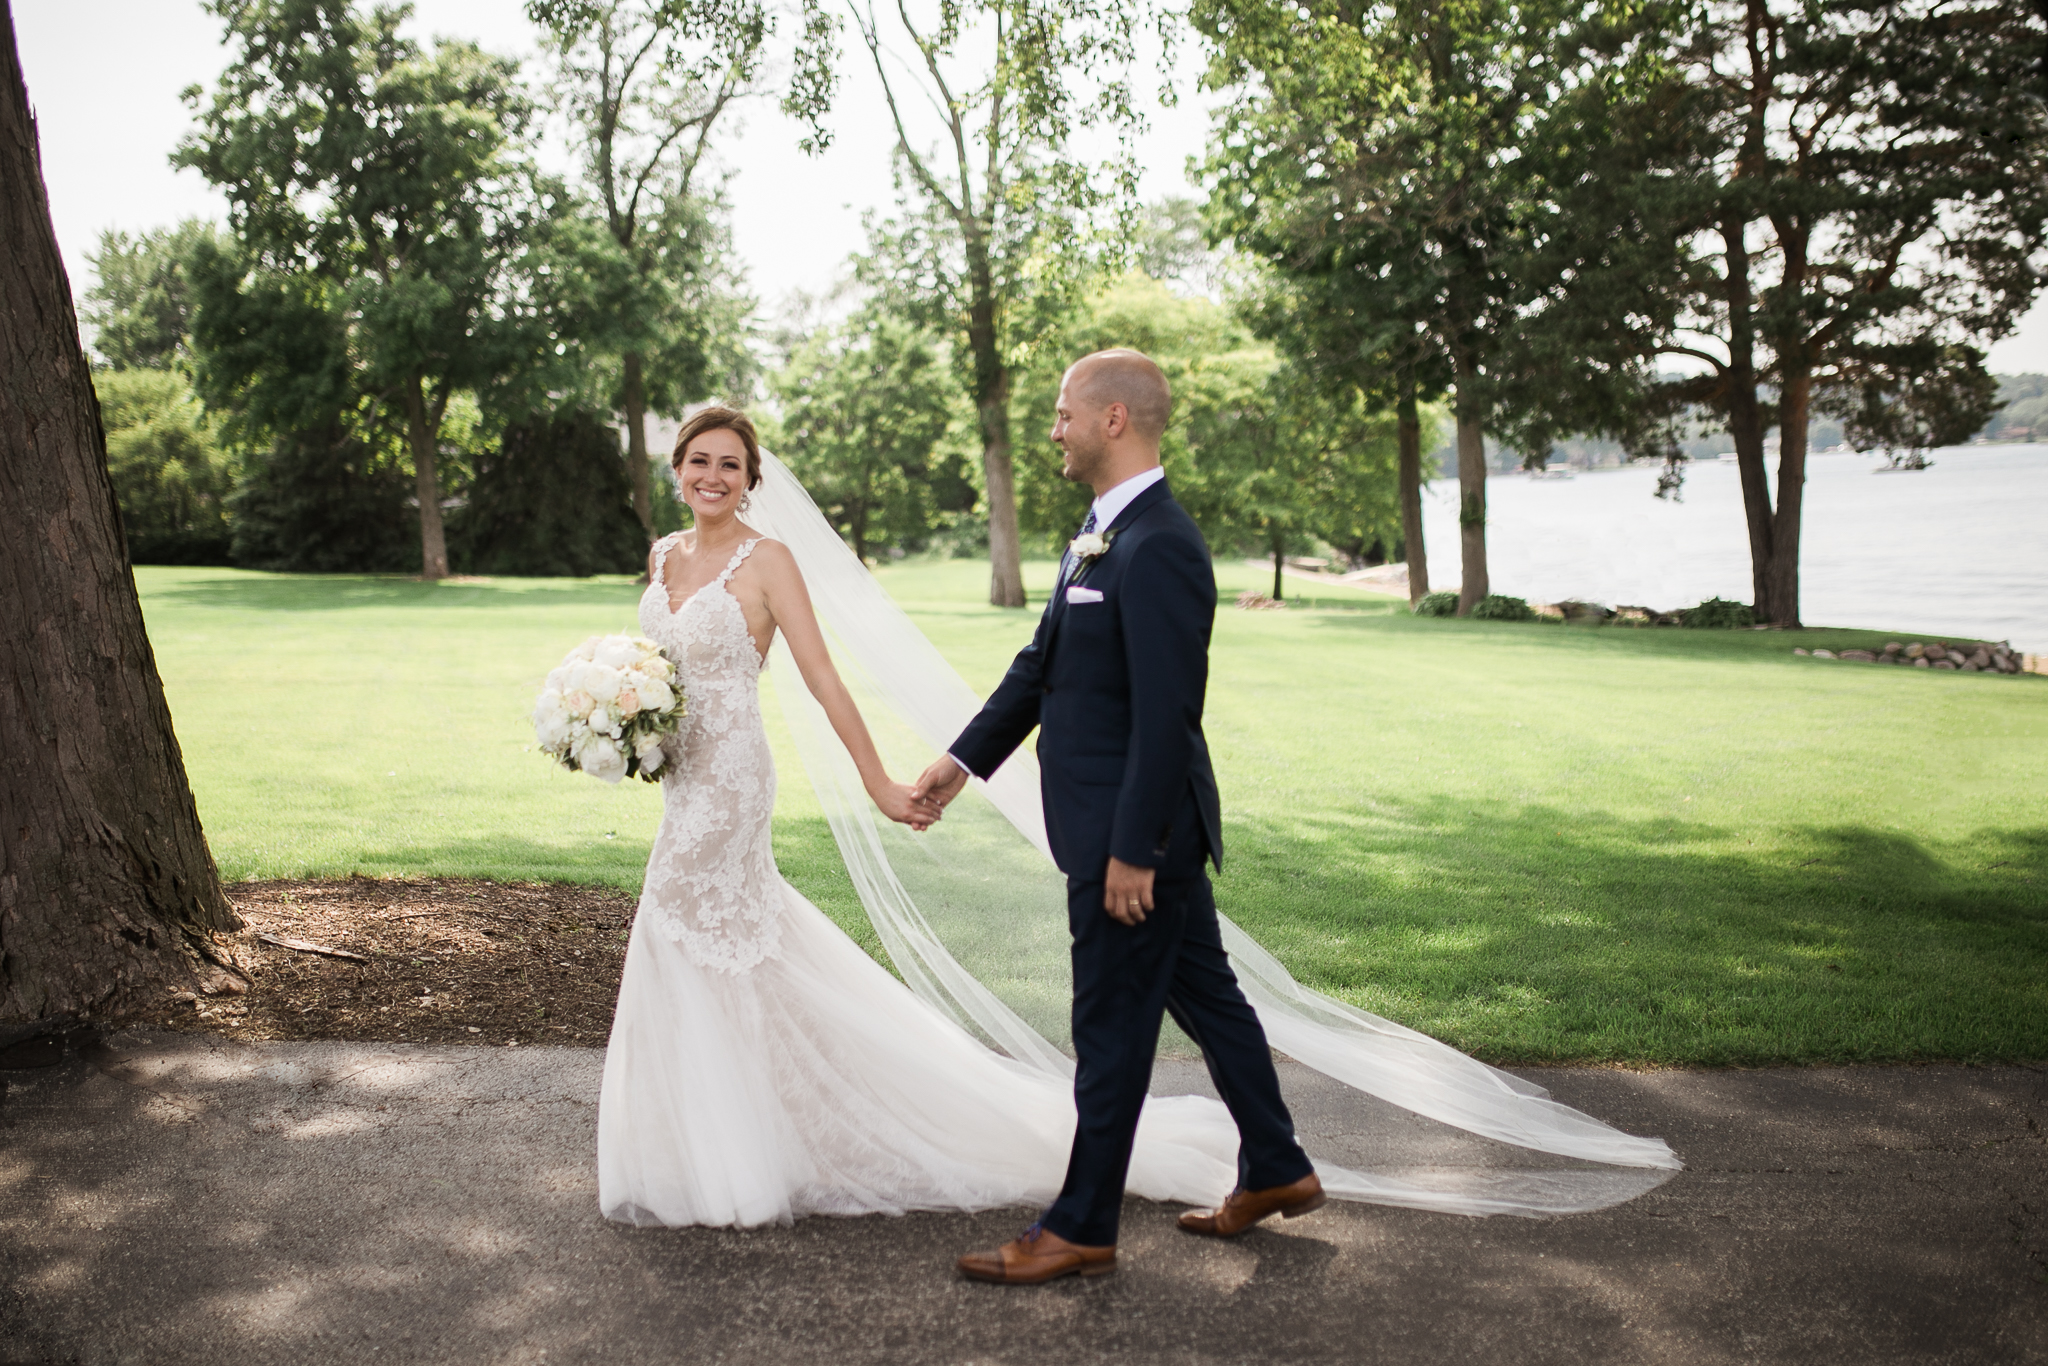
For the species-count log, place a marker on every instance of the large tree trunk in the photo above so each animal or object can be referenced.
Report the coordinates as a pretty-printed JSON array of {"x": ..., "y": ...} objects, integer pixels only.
[
  {"x": 423, "y": 435},
  {"x": 1781, "y": 574},
  {"x": 1745, "y": 418},
  {"x": 1279, "y": 561},
  {"x": 107, "y": 892},
  {"x": 1005, "y": 552},
  {"x": 636, "y": 442},
  {"x": 1408, "y": 437},
  {"x": 1471, "y": 489},
  {"x": 992, "y": 408}
]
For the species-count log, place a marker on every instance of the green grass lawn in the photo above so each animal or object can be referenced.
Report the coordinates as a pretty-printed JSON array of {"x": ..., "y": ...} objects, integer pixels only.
[{"x": 1539, "y": 842}]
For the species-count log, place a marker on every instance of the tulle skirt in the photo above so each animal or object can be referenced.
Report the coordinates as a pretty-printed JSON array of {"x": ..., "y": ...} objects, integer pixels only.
[{"x": 816, "y": 1083}]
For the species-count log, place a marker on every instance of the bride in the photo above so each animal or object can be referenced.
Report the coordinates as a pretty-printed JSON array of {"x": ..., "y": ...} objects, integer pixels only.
[{"x": 762, "y": 1067}]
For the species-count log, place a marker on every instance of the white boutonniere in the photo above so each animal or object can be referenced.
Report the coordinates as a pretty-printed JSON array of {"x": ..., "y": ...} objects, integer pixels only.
[{"x": 1091, "y": 546}]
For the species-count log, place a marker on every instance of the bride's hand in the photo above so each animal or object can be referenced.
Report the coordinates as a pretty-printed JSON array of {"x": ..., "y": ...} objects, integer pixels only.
[{"x": 900, "y": 802}]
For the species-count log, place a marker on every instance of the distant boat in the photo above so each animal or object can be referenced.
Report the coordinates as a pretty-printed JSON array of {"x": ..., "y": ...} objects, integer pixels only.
[{"x": 1898, "y": 462}]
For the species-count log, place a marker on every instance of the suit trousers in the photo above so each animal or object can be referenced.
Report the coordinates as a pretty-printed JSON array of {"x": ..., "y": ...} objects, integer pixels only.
[{"x": 1125, "y": 976}]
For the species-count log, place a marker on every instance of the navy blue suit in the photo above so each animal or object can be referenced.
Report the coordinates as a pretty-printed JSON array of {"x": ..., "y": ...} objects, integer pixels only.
[{"x": 1115, "y": 688}]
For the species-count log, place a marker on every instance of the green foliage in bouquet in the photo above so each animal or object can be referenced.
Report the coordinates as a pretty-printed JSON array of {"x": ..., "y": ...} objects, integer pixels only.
[
  {"x": 1437, "y": 605},
  {"x": 1719, "y": 614},
  {"x": 1500, "y": 607}
]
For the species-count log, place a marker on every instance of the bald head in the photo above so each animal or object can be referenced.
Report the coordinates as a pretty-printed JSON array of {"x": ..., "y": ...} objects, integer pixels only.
[{"x": 1127, "y": 377}]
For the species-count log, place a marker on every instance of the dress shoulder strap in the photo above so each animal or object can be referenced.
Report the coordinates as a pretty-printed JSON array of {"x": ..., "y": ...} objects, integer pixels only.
[
  {"x": 662, "y": 548},
  {"x": 739, "y": 557}
]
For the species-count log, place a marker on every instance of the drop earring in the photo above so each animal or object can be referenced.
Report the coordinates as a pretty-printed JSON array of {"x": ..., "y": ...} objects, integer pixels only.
[{"x": 746, "y": 503}]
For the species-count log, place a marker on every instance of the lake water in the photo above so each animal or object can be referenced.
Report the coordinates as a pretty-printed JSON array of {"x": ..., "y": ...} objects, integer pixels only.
[{"x": 1959, "y": 549}]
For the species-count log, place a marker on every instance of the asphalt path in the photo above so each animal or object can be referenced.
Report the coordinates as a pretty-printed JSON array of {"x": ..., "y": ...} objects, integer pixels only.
[{"x": 178, "y": 1198}]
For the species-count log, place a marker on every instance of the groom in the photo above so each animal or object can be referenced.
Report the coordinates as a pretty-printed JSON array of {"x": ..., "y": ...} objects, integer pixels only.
[{"x": 1113, "y": 679}]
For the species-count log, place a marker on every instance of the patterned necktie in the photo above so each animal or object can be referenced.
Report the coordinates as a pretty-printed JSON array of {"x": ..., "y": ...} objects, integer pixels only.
[{"x": 1070, "y": 564}]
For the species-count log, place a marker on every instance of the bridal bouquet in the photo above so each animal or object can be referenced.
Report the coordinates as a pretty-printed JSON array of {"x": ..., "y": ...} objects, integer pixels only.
[{"x": 606, "y": 709}]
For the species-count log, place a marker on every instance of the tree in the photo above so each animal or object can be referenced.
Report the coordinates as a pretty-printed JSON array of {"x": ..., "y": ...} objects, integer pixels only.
[
  {"x": 140, "y": 302},
  {"x": 1380, "y": 149},
  {"x": 1827, "y": 206},
  {"x": 168, "y": 467},
  {"x": 990, "y": 242},
  {"x": 1327, "y": 318},
  {"x": 388, "y": 175},
  {"x": 643, "y": 84},
  {"x": 110, "y": 894},
  {"x": 551, "y": 500},
  {"x": 864, "y": 408}
]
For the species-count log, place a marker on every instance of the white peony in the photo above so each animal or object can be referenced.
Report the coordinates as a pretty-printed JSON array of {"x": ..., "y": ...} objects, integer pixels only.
[
  {"x": 618, "y": 652},
  {"x": 599, "y": 680},
  {"x": 655, "y": 695},
  {"x": 602, "y": 757},
  {"x": 648, "y": 750},
  {"x": 586, "y": 651}
]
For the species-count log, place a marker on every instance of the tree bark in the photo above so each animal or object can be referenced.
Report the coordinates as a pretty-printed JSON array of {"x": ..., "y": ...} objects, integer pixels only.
[
  {"x": 1278, "y": 552},
  {"x": 422, "y": 430},
  {"x": 1471, "y": 488},
  {"x": 108, "y": 894},
  {"x": 1745, "y": 416},
  {"x": 636, "y": 442},
  {"x": 992, "y": 407},
  {"x": 1408, "y": 437},
  {"x": 1781, "y": 575},
  {"x": 1005, "y": 551}
]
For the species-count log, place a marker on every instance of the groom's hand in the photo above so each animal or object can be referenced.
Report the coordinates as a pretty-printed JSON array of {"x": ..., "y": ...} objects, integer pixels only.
[
  {"x": 941, "y": 782},
  {"x": 1127, "y": 892}
]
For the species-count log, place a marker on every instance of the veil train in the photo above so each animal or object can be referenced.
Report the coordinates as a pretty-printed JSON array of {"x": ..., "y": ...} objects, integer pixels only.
[{"x": 973, "y": 915}]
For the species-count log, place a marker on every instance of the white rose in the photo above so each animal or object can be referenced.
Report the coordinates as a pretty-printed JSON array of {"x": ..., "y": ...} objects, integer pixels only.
[
  {"x": 648, "y": 750},
  {"x": 578, "y": 703},
  {"x": 1089, "y": 546},
  {"x": 628, "y": 701}
]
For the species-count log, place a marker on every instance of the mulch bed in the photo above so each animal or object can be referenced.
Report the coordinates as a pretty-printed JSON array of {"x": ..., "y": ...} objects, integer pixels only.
[{"x": 438, "y": 960}]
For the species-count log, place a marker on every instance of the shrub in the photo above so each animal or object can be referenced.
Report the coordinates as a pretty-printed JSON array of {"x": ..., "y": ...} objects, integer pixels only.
[
  {"x": 1437, "y": 605},
  {"x": 170, "y": 474},
  {"x": 1500, "y": 607},
  {"x": 1720, "y": 614},
  {"x": 551, "y": 500},
  {"x": 326, "y": 501}
]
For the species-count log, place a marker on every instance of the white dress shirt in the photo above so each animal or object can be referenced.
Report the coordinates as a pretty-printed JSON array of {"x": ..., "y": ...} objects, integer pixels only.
[{"x": 1108, "y": 506}]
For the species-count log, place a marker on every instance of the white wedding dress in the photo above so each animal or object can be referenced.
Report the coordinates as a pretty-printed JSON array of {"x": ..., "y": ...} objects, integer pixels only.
[{"x": 762, "y": 1067}]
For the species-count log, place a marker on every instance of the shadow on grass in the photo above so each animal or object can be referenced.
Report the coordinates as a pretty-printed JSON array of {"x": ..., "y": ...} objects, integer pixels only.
[{"x": 1530, "y": 934}]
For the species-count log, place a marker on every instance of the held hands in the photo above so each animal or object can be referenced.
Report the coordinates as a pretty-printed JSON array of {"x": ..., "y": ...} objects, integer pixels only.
[
  {"x": 1127, "y": 892},
  {"x": 941, "y": 782},
  {"x": 900, "y": 802}
]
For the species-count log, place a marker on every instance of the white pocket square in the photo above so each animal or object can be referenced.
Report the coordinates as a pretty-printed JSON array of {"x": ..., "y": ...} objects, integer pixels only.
[{"x": 1076, "y": 593}]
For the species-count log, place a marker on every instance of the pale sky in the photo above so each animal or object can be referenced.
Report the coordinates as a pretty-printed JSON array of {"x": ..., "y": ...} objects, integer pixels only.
[{"x": 104, "y": 78}]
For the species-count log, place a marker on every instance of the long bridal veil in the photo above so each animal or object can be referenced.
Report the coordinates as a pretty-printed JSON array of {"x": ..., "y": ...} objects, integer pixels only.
[{"x": 973, "y": 914}]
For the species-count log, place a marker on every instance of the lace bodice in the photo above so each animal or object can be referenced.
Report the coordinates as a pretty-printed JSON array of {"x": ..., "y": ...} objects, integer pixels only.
[{"x": 711, "y": 881}]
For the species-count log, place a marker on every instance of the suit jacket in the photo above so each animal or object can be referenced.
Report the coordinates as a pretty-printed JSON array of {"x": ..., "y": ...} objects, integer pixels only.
[{"x": 1116, "y": 689}]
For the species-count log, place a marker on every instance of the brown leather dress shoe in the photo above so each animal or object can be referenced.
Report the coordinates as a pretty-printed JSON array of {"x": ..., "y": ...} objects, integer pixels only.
[
  {"x": 1244, "y": 1208},
  {"x": 1038, "y": 1255}
]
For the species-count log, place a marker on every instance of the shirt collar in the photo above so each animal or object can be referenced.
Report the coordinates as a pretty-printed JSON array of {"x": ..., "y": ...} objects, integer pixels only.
[{"x": 1110, "y": 506}]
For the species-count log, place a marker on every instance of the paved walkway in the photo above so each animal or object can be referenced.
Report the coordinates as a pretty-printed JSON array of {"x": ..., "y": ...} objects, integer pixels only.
[{"x": 179, "y": 1199}]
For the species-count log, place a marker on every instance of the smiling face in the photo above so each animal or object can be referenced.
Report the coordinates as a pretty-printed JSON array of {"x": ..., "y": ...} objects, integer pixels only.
[
  {"x": 1080, "y": 431},
  {"x": 712, "y": 474}
]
